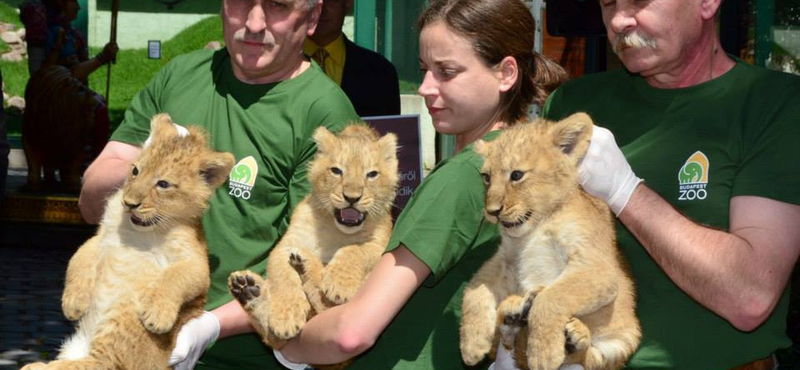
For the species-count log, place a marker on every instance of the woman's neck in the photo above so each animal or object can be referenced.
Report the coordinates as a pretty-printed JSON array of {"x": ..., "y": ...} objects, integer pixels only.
[{"x": 464, "y": 139}]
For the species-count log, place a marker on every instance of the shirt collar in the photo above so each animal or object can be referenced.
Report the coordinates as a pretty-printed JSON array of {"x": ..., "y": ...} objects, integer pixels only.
[{"x": 335, "y": 49}]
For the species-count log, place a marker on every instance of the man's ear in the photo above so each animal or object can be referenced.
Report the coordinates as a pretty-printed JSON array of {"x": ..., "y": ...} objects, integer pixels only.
[
  {"x": 313, "y": 17},
  {"x": 508, "y": 71},
  {"x": 709, "y": 8}
]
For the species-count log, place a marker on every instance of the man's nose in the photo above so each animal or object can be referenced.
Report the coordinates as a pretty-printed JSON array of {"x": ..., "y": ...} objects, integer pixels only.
[{"x": 256, "y": 18}]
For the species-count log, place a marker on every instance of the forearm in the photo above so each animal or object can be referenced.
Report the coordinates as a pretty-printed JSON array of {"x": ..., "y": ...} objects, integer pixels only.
[
  {"x": 720, "y": 270},
  {"x": 83, "y": 69},
  {"x": 100, "y": 181},
  {"x": 345, "y": 331},
  {"x": 233, "y": 319}
]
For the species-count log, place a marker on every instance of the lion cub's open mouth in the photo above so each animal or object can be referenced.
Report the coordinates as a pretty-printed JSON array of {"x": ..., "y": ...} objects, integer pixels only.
[
  {"x": 143, "y": 223},
  {"x": 349, "y": 216},
  {"x": 509, "y": 225}
]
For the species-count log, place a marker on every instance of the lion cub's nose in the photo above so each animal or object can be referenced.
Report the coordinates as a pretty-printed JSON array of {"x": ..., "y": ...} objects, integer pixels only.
[
  {"x": 131, "y": 206},
  {"x": 495, "y": 212},
  {"x": 351, "y": 200}
]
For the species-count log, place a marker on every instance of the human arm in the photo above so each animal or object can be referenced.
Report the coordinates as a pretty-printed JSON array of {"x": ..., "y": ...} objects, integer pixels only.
[
  {"x": 104, "y": 176},
  {"x": 348, "y": 330},
  {"x": 739, "y": 274},
  {"x": 82, "y": 70}
]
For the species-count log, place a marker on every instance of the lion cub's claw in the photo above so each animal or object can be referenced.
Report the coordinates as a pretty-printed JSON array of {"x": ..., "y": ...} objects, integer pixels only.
[
  {"x": 578, "y": 337},
  {"x": 244, "y": 286},
  {"x": 339, "y": 286},
  {"x": 156, "y": 312},
  {"x": 75, "y": 306}
]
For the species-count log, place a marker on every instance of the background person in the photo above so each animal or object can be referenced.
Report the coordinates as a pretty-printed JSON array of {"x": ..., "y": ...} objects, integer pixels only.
[
  {"x": 711, "y": 235},
  {"x": 368, "y": 79},
  {"x": 260, "y": 100},
  {"x": 481, "y": 74}
]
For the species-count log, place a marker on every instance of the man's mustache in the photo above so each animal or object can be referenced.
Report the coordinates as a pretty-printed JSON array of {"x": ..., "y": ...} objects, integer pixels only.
[
  {"x": 262, "y": 37},
  {"x": 635, "y": 40}
]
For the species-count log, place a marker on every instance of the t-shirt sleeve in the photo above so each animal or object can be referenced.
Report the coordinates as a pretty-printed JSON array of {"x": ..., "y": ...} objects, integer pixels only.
[
  {"x": 443, "y": 219},
  {"x": 333, "y": 111},
  {"x": 769, "y": 166},
  {"x": 135, "y": 126}
]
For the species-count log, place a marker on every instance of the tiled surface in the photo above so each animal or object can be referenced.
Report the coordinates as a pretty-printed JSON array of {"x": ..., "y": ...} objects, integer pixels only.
[{"x": 31, "y": 281}]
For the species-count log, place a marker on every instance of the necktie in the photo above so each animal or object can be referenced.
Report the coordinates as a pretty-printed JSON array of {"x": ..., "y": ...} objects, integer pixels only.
[{"x": 320, "y": 56}]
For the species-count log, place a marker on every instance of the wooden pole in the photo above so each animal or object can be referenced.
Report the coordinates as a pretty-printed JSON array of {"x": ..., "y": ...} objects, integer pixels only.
[{"x": 112, "y": 39}]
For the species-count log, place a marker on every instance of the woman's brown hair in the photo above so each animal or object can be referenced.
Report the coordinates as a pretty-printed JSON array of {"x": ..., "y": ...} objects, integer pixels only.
[{"x": 497, "y": 29}]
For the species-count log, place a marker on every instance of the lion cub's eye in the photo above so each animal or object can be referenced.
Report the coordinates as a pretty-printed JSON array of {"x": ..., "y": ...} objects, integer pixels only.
[
  {"x": 135, "y": 171},
  {"x": 516, "y": 175},
  {"x": 163, "y": 184},
  {"x": 336, "y": 171},
  {"x": 486, "y": 178},
  {"x": 372, "y": 174}
]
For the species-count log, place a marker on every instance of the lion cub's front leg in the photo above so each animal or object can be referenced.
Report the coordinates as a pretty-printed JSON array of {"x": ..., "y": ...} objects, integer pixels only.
[
  {"x": 161, "y": 301},
  {"x": 288, "y": 306},
  {"x": 348, "y": 269},
  {"x": 310, "y": 269},
  {"x": 81, "y": 275},
  {"x": 252, "y": 293},
  {"x": 479, "y": 312}
]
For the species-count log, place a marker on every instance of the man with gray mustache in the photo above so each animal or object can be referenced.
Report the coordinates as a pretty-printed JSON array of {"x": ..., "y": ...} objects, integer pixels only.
[
  {"x": 699, "y": 173},
  {"x": 261, "y": 99}
]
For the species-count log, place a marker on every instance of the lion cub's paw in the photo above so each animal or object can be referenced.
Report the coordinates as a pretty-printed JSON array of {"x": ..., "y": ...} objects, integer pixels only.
[
  {"x": 74, "y": 304},
  {"x": 339, "y": 285},
  {"x": 157, "y": 311},
  {"x": 512, "y": 314},
  {"x": 577, "y": 335},
  {"x": 287, "y": 314},
  {"x": 245, "y": 286}
]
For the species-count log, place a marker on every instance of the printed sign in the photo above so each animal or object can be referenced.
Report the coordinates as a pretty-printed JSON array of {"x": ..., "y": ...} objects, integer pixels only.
[{"x": 409, "y": 153}]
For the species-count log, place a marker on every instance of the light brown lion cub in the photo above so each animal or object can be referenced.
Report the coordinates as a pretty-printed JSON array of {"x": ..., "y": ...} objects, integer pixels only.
[
  {"x": 336, "y": 235},
  {"x": 145, "y": 273},
  {"x": 557, "y": 274}
]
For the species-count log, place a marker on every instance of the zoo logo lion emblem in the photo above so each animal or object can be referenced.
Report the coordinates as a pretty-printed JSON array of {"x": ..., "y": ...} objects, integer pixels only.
[
  {"x": 242, "y": 178},
  {"x": 693, "y": 177}
]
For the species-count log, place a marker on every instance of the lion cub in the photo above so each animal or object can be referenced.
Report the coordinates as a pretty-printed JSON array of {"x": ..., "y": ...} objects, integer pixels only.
[
  {"x": 558, "y": 250},
  {"x": 336, "y": 235},
  {"x": 134, "y": 284}
]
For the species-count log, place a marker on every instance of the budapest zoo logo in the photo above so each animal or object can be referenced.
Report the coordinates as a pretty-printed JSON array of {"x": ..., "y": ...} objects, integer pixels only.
[
  {"x": 242, "y": 178},
  {"x": 693, "y": 177}
]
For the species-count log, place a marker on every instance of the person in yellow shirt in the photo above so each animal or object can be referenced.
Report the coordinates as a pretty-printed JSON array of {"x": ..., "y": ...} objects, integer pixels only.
[{"x": 368, "y": 79}]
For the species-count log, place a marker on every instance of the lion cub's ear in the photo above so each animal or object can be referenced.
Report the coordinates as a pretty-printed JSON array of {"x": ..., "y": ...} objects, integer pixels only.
[
  {"x": 215, "y": 167},
  {"x": 326, "y": 140},
  {"x": 482, "y": 148},
  {"x": 572, "y": 135},
  {"x": 388, "y": 146}
]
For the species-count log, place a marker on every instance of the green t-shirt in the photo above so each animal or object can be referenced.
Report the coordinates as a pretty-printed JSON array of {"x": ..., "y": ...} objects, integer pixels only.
[
  {"x": 697, "y": 147},
  {"x": 268, "y": 128},
  {"x": 443, "y": 225}
]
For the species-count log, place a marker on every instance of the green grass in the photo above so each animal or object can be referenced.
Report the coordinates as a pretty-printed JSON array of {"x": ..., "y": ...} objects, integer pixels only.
[
  {"x": 133, "y": 69},
  {"x": 8, "y": 14},
  {"x": 128, "y": 76}
]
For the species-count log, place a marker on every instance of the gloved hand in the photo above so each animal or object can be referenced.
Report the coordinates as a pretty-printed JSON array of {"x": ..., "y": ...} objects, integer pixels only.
[
  {"x": 288, "y": 364},
  {"x": 604, "y": 172},
  {"x": 181, "y": 131},
  {"x": 195, "y": 336}
]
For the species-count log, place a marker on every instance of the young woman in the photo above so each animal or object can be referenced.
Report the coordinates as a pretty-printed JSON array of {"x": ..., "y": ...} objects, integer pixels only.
[{"x": 481, "y": 74}]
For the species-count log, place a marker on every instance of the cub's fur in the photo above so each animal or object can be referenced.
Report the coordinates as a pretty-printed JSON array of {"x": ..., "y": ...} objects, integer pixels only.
[
  {"x": 145, "y": 273},
  {"x": 557, "y": 275},
  {"x": 336, "y": 234}
]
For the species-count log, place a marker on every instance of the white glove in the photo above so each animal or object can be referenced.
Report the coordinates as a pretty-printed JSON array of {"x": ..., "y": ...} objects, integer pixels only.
[
  {"x": 288, "y": 364},
  {"x": 195, "y": 336},
  {"x": 604, "y": 172},
  {"x": 182, "y": 131}
]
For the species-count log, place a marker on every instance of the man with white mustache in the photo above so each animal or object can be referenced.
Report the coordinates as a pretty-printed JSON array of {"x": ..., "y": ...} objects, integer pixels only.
[
  {"x": 261, "y": 99},
  {"x": 699, "y": 173}
]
